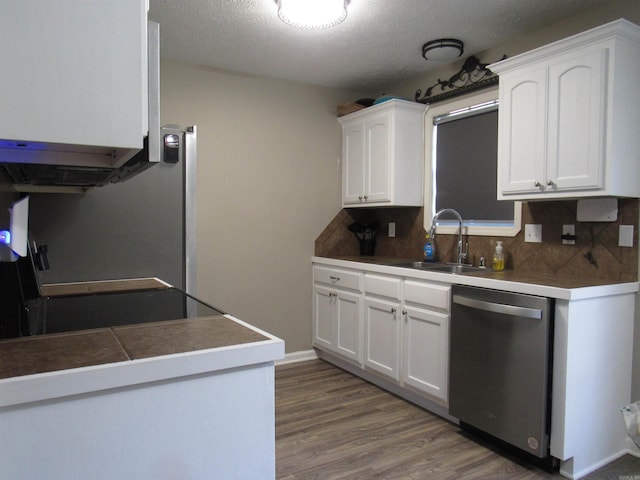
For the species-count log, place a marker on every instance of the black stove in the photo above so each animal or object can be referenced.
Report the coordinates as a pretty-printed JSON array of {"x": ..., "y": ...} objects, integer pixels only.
[{"x": 81, "y": 312}]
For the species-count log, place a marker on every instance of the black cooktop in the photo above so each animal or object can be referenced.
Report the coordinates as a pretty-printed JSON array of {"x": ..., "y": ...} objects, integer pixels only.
[{"x": 81, "y": 312}]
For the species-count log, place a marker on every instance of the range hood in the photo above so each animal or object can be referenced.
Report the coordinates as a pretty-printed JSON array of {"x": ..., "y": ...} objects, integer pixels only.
[
  {"x": 55, "y": 167},
  {"x": 58, "y": 177}
]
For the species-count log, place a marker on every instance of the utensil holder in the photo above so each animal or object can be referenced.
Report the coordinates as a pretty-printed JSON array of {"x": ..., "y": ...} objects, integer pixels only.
[{"x": 368, "y": 247}]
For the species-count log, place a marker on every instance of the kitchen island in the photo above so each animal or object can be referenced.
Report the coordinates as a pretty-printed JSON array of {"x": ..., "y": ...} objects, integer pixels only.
[
  {"x": 359, "y": 301},
  {"x": 188, "y": 398}
]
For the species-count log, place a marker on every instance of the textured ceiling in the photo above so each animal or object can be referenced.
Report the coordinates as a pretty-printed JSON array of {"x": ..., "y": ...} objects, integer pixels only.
[{"x": 378, "y": 44}]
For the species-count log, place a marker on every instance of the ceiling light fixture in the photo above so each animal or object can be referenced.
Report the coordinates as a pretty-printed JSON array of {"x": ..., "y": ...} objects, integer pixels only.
[
  {"x": 442, "y": 50},
  {"x": 312, "y": 14}
]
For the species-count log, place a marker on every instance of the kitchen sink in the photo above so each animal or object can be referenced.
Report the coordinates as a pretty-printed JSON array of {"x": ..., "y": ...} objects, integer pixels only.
[{"x": 440, "y": 267}]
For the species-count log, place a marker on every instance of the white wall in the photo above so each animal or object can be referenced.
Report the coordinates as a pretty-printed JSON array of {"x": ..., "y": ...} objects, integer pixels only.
[{"x": 268, "y": 182}]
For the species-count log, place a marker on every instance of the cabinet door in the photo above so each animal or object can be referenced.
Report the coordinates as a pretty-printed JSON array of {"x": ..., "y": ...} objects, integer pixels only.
[
  {"x": 76, "y": 72},
  {"x": 426, "y": 350},
  {"x": 353, "y": 163},
  {"x": 323, "y": 317},
  {"x": 348, "y": 340},
  {"x": 378, "y": 155},
  {"x": 576, "y": 115},
  {"x": 382, "y": 337},
  {"x": 521, "y": 132}
]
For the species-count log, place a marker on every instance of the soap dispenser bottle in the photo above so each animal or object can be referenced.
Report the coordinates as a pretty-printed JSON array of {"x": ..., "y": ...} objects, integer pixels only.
[
  {"x": 429, "y": 249},
  {"x": 498, "y": 257}
]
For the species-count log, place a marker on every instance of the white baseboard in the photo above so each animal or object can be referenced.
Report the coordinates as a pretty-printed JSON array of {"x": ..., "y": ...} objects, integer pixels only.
[
  {"x": 294, "y": 357},
  {"x": 596, "y": 466},
  {"x": 633, "y": 451}
]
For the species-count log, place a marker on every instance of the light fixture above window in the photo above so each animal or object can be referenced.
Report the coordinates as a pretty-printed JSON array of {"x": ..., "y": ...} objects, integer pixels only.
[
  {"x": 312, "y": 14},
  {"x": 442, "y": 50}
]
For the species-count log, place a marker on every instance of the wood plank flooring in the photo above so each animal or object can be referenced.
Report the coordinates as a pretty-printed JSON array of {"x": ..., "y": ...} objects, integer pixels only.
[{"x": 332, "y": 425}]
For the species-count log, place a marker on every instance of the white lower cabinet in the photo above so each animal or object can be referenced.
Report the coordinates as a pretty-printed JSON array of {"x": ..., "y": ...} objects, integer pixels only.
[
  {"x": 382, "y": 336},
  {"x": 426, "y": 351},
  {"x": 396, "y": 328},
  {"x": 425, "y": 336},
  {"x": 406, "y": 331},
  {"x": 337, "y": 312}
]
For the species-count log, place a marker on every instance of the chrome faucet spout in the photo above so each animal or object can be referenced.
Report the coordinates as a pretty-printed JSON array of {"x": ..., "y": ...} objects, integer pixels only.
[{"x": 462, "y": 254}]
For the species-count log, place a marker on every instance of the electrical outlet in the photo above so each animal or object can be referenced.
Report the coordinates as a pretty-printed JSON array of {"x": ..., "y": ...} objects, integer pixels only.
[
  {"x": 568, "y": 231},
  {"x": 625, "y": 236},
  {"x": 392, "y": 229},
  {"x": 533, "y": 233}
]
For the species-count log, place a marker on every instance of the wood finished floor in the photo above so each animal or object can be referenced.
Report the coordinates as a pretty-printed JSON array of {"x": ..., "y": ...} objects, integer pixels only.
[{"x": 332, "y": 425}]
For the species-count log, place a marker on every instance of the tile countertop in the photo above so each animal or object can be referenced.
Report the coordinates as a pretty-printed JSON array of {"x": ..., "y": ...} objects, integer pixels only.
[
  {"x": 509, "y": 280},
  {"x": 49, "y": 353},
  {"x": 50, "y": 366},
  {"x": 101, "y": 286}
]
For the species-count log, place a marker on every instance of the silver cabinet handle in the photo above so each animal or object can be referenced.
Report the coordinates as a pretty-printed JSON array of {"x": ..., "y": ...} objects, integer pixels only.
[
  {"x": 334, "y": 278},
  {"x": 498, "y": 307},
  {"x": 404, "y": 312},
  {"x": 366, "y": 197},
  {"x": 393, "y": 309},
  {"x": 550, "y": 183},
  {"x": 360, "y": 197},
  {"x": 537, "y": 184}
]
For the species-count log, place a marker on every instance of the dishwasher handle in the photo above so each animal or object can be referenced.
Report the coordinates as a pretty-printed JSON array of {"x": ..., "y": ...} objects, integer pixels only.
[{"x": 498, "y": 307}]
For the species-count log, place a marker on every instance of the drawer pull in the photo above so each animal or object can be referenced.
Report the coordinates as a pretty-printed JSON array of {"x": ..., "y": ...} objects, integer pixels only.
[{"x": 334, "y": 278}]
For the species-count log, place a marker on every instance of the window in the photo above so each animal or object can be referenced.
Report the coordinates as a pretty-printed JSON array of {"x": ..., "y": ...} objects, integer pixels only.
[{"x": 462, "y": 139}]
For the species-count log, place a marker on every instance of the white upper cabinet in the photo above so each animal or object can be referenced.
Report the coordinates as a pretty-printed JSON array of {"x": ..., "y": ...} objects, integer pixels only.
[
  {"x": 569, "y": 116},
  {"x": 383, "y": 156},
  {"x": 74, "y": 78}
]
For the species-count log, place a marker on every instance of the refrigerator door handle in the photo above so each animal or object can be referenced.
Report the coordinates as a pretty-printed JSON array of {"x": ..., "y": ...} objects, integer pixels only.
[
  {"x": 498, "y": 307},
  {"x": 190, "y": 158}
]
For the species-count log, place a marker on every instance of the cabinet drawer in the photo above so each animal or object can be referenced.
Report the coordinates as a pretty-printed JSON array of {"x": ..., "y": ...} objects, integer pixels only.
[
  {"x": 385, "y": 286},
  {"x": 338, "y": 277},
  {"x": 430, "y": 294}
]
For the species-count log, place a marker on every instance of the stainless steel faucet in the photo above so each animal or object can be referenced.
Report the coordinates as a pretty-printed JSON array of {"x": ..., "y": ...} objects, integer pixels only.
[{"x": 462, "y": 254}]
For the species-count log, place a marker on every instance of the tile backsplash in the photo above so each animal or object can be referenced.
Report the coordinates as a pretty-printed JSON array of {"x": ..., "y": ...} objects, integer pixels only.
[{"x": 596, "y": 240}]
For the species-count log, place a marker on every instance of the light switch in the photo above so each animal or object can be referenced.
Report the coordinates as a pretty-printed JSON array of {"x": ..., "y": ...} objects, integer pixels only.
[
  {"x": 533, "y": 233},
  {"x": 625, "y": 236},
  {"x": 392, "y": 229}
]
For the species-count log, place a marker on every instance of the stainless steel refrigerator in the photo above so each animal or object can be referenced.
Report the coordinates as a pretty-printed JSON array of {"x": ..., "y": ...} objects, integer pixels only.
[{"x": 143, "y": 227}]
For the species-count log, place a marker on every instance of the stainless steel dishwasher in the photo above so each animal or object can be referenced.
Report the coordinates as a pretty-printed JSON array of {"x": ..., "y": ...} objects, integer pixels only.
[{"x": 500, "y": 367}]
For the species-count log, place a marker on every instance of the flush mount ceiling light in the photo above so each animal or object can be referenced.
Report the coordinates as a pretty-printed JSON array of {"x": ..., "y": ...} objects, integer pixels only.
[
  {"x": 442, "y": 50},
  {"x": 312, "y": 14}
]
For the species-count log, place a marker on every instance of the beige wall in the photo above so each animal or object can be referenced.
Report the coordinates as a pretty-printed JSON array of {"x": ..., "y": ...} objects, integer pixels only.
[
  {"x": 268, "y": 182},
  {"x": 612, "y": 10}
]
